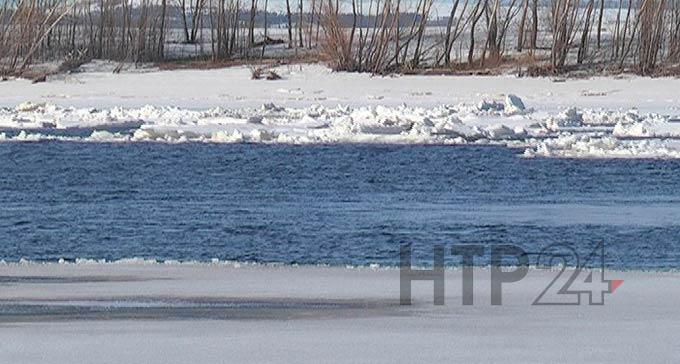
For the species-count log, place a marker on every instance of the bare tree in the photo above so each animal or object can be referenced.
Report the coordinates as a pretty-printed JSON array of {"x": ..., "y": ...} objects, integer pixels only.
[
  {"x": 534, "y": 24},
  {"x": 266, "y": 37},
  {"x": 599, "y": 24},
  {"x": 583, "y": 47},
  {"x": 651, "y": 15},
  {"x": 161, "y": 37},
  {"x": 498, "y": 23},
  {"x": 300, "y": 15},
  {"x": 522, "y": 23},
  {"x": 563, "y": 14},
  {"x": 477, "y": 14},
  {"x": 251, "y": 23},
  {"x": 454, "y": 32},
  {"x": 290, "y": 24},
  {"x": 191, "y": 33},
  {"x": 674, "y": 37}
]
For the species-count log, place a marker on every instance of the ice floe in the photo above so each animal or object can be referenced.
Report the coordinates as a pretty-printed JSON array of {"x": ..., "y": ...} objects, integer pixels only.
[{"x": 505, "y": 120}]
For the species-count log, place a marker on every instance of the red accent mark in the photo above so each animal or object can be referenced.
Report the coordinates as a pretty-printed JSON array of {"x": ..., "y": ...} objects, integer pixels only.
[{"x": 615, "y": 283}]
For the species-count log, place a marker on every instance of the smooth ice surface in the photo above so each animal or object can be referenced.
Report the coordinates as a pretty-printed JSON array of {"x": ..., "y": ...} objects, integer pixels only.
[{"x": 332, "y": 315}]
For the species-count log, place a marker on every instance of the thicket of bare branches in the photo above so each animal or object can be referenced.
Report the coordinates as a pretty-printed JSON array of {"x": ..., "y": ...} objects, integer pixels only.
[
  {"x": 378, "y": 36},
  {"x": 33, "y": 30},
  {"x": 558, "y": 36}
]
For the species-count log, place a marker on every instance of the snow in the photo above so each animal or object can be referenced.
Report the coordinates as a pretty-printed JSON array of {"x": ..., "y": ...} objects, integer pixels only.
[
  {"x": 598, "y": 117},
  {"x": 306, "y": 85},
  {"x": 178, "y": 313}
]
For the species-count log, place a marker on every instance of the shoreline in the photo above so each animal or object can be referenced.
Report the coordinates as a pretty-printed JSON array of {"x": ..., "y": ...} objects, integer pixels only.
[{"x": 233, "y": 264}]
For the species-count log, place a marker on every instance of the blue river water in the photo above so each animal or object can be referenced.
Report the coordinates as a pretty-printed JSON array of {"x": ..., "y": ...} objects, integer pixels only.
[{"x": 327, "y": 204}]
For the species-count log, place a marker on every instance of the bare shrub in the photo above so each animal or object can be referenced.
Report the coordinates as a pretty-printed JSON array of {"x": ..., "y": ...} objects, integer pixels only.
[
  {"x": 651, "y": 21},
  {"x": 258, "y": 73},
  {"x": 498, "y": 22},
  {"x": 73, "y": 60},
  {"x": 563, "y": 18},
  {"x": 272, "y": 76},
  {"x": 674, "y": 33},
  {"x": 27, "y": 25},
  {"x": 454, "y": 29},
  {"x": 336, "y": 44}
]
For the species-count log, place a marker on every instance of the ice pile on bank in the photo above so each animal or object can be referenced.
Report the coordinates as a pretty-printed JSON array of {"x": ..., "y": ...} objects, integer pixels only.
[
  {"x": 576, "y": 133},
  {"x": 573, "y": 132},
  {"x": 592, "y": 146},
  {"x": 274, "y": 124}
]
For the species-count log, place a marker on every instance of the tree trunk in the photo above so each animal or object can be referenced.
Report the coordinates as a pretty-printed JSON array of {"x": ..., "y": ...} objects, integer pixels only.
[
  {"x": 534, "y": 24},
  {"x": 448, "y": 42},
  {"x": 599, "y": 24},
  {"x": 183, "y": 9},
  {"x": 161, "y": 37},
  {"x": 290, "y": 25},
  {"x": 300, "y": 43},
  {"x": 251, "y": 23},
  {"x": 522, "y": 22}
]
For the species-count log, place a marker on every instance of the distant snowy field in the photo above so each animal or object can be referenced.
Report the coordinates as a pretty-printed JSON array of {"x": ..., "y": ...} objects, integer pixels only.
[
  {"x": 206, "y": 313},
  {"x": 624, "y": 117}
]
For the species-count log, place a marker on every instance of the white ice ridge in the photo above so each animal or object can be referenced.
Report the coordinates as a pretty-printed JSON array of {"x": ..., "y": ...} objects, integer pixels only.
[{"x": 574, "y": 132}]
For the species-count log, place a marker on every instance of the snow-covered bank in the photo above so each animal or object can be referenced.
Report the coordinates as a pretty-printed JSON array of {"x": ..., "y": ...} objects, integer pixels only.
[
  {"x": 306, "y": 85},
  {"x": 601, "y": 117},
  {"x": 209, "y": 313}
]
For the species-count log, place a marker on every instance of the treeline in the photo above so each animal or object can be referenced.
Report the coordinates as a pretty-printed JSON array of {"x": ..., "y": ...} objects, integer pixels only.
[
  {"x": 378, "y": 36},
  {"x": 552, "y": 36}
]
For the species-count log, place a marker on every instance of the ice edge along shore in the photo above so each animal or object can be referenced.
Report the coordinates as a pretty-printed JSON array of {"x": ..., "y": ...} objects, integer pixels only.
[{"x": 601, "y": 117}]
